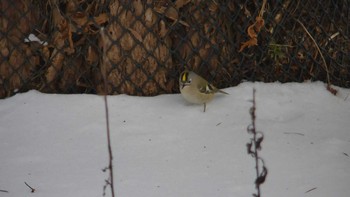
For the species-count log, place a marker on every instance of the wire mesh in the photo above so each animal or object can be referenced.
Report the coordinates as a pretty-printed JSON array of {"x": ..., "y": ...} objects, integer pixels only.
[{"x": 58, "y": 46}]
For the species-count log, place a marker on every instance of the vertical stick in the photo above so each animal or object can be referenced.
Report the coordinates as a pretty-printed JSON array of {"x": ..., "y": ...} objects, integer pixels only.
[
  {"x": 104, "y": 75},
  {"x": 256, "y": 154}
]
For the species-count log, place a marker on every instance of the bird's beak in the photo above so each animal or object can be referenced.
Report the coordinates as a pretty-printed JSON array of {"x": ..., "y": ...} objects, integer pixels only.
[{"x": 183, "y": 85}]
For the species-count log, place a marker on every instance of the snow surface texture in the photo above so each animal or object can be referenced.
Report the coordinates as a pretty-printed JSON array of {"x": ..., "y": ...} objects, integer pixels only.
[{"x": 165, "y": 147}]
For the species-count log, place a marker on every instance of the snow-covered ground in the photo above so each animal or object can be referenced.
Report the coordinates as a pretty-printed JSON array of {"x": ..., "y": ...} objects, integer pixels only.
[{"x": 165, "y": 147}]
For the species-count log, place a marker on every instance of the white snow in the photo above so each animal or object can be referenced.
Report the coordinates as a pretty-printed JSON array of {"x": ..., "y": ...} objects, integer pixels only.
[
  {"x": 165, "y": 147},
  {"x": 33, "y": 38}
]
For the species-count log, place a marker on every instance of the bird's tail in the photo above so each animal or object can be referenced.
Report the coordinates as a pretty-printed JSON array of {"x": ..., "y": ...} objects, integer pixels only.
[{"x": 223, "y": 92}]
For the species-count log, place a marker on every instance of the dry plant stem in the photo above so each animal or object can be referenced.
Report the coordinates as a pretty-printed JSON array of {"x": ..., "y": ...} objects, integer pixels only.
[
  {"x": 262, "y": 10},
  {"x": 253, "y": 147},
  {"x": 110, "y": 166},
  {"x": 318, "y": 49},
  {"x": 256, "y": 154},
  {"x": 310, "y": 190},
  {"x": 4, "y": 191},
  {"x": 104, "y": 75},
  {"x": 32, "y": 189}
]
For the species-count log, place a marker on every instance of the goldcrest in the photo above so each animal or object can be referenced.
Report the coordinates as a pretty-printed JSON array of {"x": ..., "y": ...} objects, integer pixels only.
[{"x": 195, "y": 89}]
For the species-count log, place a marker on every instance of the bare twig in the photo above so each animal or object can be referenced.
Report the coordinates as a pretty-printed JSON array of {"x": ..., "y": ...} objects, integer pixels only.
[
  {"x": 253, "y": 148},
  {"x": 310, "y": 190},
  {"x": 104, "y": 75},
  {"x": 332, "y": 37},
  {"x": 262, "y": 10},
  {"x": 295, "y": 133},
  {"x": 281, "y": 45},
  {"x": 32, "y": 189},
  {"x": 318, "y": 49},
  {"x": 329, "y": 88},
  {"x": 5, "y": 191}
]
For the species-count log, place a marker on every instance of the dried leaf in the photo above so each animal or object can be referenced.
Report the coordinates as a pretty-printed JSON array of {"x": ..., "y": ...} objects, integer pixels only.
[
  {"x": 332, "y": 90},
  {"x": 253, "y": 31},
  {"x": 259, "y": 23},
  {"x": 57, "y": 56},
  {"x": 258, "y": 142},
  {"x": 262, "y": 177},
  {"x": 162, "y": 29},
  {"x": 91, "y": 56},
  {"x": 55, "y": 66},
  {"x": 80, "y": 18},
  {"x": 180, "y": 3},
  {"x": 249, "y": 43},
  {"x": 100, "y": 19},
  {"x": 249, "y": 148},
  {"x": 213, "y": 6},
  {"x": 250, "y": 129},
  {"x": 136, "y": 34},
  {"x": 149, "y": 16},
  {"x": 171, "y": 13}
]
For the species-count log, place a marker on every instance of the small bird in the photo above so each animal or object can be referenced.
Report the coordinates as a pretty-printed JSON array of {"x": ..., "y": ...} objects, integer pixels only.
[{"x": 195, "y": 89}]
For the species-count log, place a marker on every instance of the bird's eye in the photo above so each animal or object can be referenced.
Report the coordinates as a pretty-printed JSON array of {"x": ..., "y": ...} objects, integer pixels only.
[{"x": 189, "y": 80}]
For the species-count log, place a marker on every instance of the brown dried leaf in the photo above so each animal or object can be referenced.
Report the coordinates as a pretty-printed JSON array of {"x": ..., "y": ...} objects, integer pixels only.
[
  {"x": 100, "y": 19},
  {"x": 249, "y": 43},
  {"x": 180, "y": 3},
  {"x": 55, "y": 67},
  {"x": 136, "y": 34},
  {"x": 4, "y": 51},
  {"x": 45, "y": 53},
  {"x": 259, "y": 23},
  {"x": 71, "y": 6},
  {"x": 138, "y": 8},
  {"x": 91, "y": 56},
  {"x": 213, "y": 6},
  {"x": 171, "y": 13},
  {"x": 253, "y": 31},
  {"x": 57, "y": 57},
  {"x": 71, "y": 49},
  {"x": 80, "y": 19},
  {"x": 332, "y": 90},
  {"x": 150, "y": 88},
  {"x": 162, "y": 29}
]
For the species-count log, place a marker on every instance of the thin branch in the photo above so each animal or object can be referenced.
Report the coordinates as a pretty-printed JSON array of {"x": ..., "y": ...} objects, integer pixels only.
[
  {"x": 295, "y": 133},
  {"x": 253, "y": 148},
  {"x": 310, "y": 190},
  {"x": 5, "y": 191},
  {"x": 256, "y": 154},
  {"x": 262, "y": 10},
  {"x": 318, "y": 49},
  {"x": 32, "y": 189},
  {"x": 104, "y": 75}
]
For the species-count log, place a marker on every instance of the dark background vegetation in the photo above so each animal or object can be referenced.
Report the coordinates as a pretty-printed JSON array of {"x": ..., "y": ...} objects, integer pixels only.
[{"x": 150, "y": 42}]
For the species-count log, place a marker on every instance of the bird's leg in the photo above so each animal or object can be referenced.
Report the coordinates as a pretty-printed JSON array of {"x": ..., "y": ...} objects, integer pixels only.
[{"x": 205, "y": 106}]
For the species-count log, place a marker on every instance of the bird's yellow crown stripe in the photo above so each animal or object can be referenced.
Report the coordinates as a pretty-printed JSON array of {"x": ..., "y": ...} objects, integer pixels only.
[{"x": 184, "y": 76}]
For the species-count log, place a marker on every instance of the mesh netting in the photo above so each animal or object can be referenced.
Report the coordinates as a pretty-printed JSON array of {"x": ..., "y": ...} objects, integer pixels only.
[{"x": 56, "y": 46}]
